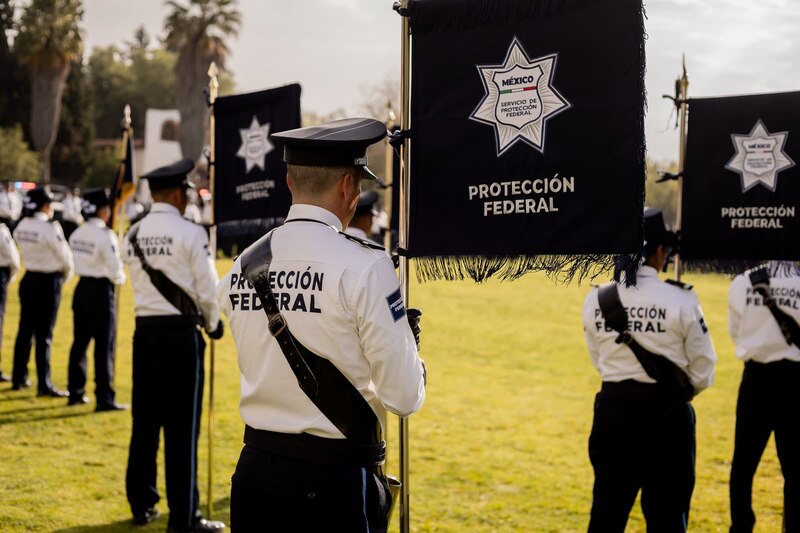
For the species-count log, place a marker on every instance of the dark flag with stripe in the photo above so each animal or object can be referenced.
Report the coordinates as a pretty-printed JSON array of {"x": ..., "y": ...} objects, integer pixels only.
[
  {"x": 527, "y": 136},
  {"x": 250, "y": 182},
  {"x": 125, "y": 183},
  {"x": 741, "y": 187}
]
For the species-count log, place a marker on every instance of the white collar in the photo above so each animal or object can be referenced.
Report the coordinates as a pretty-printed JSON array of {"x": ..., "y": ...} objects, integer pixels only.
[
  {"x": 163, "y": 207},
  {"x": 646, "y": 271},
  {"x": 314, "y": 212},
  {"x": 41, "y": 216}
]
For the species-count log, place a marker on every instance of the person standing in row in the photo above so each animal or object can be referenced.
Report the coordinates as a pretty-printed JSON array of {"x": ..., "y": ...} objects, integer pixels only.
[
  {"x": 651, "y": 346},
  {"x": 9, "y": 266},
  {"x": 313, "y": 446},
  {"x": 764, "y": 323},
  {"x": 71, "y": 212},
  {"x": 174, "y": 279},
  {"x": 99, "y": 265},
  {"x": 361, "y": 225},
  {"x": 48, "y": 263}
]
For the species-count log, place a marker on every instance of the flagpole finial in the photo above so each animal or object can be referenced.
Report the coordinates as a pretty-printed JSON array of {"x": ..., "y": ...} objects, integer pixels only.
[
  {"x": 126, "y": 114},
  {"x": 213, "y": 82},
  {"x": 390, "y": 116}
]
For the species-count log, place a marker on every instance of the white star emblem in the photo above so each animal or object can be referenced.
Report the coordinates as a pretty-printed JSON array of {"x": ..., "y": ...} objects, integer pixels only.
[
  {"x": 519, "y": 98},
  {"x": 255, "y": 145},
  {"x": 759, "y": 157}
]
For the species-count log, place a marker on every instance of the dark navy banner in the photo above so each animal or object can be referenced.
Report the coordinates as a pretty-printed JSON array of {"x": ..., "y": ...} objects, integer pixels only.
[
  {"x": 527, "y": 135},
  {"x": 250, "y": 173},
  {"x": 741, "y": 187}
]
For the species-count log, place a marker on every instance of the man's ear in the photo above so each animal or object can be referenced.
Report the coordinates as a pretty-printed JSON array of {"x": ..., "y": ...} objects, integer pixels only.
[{"x": 289, "y": 183}]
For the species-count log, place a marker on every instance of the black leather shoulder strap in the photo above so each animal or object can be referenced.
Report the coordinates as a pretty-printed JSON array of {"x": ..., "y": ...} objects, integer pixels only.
[
  {"x": 363, "y": 242},
  {"x": 679, "y": 284},
  {"x": 319, "y": 379},
  {"x": 168, "y": 289},
  {"x": 655, "y": 365},
  {"x": 790, "y": 329}
]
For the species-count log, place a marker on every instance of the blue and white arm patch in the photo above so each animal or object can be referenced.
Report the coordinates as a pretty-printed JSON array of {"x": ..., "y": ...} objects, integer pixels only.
[{"x": 396, "y": 307}]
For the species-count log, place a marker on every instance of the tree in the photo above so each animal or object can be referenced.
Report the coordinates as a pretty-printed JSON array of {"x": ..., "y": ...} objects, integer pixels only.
[
  {"x": 48, "y": 41},
  {"x": 17, "y": 161},
  {"x": 14, "y": 97},
  {"x": 73, "y": 150},
  {"x": 197, "y": 31}
]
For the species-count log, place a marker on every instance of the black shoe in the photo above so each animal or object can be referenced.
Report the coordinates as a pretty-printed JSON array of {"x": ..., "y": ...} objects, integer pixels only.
[
  {"x": 24, "y": 385},
  {"x": 4, "y": 378},
  {"x": 110, "y": 407},
  {"x": 53, "y": 393},
  {"x": 146, "y": 516},
  {"x": 202, "y": 526},
  {"x": 77, "y": 399}
]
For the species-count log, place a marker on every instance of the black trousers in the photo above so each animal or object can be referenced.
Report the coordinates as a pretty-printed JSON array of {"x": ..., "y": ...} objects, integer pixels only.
[
  {"x": 275, "y": 493},
  {"x": 68, "y": 227},
  {"x": 768, "y": 401},
  {"x": 168, "y": 379},
  {"x": 94, "y": 317},
  {"x": 5, "y": 275},
  {"x": 39, "y": 296},
  {"x": 647, "y": 445}
]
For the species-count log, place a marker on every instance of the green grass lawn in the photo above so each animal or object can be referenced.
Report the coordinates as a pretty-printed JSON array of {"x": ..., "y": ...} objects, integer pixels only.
[{"x": 500, "y": 445}]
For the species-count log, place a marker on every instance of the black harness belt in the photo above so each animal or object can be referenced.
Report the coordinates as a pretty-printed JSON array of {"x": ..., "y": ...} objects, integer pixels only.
[
  {"x": 167, "y": 321},
  {"x": 323, "y": 383},
  {"x": 316, "y": 449},
  {"x": 789, "y": 327},
  {"x": 658, "y": 367}
]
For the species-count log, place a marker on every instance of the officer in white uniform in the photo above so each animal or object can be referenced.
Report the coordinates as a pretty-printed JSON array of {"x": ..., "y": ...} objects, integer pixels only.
[
  {"x": 9, "y": 266},
  {"x": 174, "y": 279},
  {"x": 99, "y": 265},
  {"x": 768, "y": 394},
  {"x": 48, "y": 263},
  {"x": 71, "y": 212},
  {"x": 361, "y": 225},
  {"x": 643, "y": 435},
  {"x": 10, "y": 205},
  {"x": 340, "y": 298}
]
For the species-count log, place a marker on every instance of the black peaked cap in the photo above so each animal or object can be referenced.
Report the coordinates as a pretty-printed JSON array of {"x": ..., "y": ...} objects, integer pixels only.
[
  {"x": 39, "y": 196},
  {"x": 338, "y": 143},
  {"x": 97, "y": 198},
  {"x": 655, "y": 229},
  {"x": 366, "y": 203},
  {"x": 174, "y": 175}
]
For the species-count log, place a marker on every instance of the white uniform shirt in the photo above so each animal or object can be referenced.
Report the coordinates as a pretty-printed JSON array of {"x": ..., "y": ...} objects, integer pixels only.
[
  {"x": 752, "y": 326},
  {"x": 192, "y": 212},
  {"x": 179, "y": 249},
  {"x": 43, "y": 246},
  {"x": 95, "y": 250},
  {"x": 342, "y": 301},
  {"x": 72, "y": 209},
  {"x": 9, "y": 255},
  {"x": 664, "y": 319},
  {"x": 15, "y": 203}
]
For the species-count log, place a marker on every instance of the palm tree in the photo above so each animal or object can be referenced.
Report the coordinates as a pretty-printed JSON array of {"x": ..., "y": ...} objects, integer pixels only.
[
  {"x": 197, "y": 31},
  {"x": 48, "y": 41}
]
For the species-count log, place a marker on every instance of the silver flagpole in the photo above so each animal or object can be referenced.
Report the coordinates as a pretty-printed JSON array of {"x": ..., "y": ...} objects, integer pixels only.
[
  {"x": 683, "y": 104},
  {"x": 213, "y": 88},
  {"x": 405, "y": 177}
]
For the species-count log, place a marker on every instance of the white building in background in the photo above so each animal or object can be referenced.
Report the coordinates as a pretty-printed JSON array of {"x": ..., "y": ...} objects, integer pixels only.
[{"x": 161, "y": 146}]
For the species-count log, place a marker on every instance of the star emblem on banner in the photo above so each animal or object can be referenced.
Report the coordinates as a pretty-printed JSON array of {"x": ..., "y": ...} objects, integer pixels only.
[
  {"x": 759, "y": 157},
  {"x": 255, "y": 145},
  {"x": 519, "y": 98}
]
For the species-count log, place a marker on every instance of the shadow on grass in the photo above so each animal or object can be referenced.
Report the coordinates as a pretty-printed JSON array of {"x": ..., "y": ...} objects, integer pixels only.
[
  {"x": 223, "y": 504},
  {"x": 7, "y": 413},
  {"x": 4, "y": 421}
]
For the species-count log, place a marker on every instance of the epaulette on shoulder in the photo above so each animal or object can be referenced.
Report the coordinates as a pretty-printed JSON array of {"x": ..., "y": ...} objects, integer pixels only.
[
  {"x": 679, "y": 284},
  {"x": 363, "y": 242}
]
